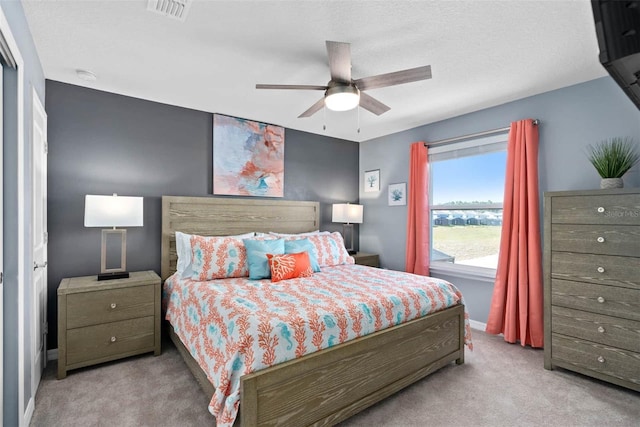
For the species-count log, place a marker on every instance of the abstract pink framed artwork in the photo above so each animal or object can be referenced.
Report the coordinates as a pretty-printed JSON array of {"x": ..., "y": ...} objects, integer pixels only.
[{"x": 248, "y": 157}]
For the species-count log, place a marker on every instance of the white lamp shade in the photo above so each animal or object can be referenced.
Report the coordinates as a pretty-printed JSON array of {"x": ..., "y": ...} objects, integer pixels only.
[
  {"x": 347, "y": 213},
  {"x": 113, "y": 211}
]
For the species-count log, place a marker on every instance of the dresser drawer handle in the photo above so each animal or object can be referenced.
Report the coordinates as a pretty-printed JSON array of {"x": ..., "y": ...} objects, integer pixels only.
[
  {"x": 113, "y": 305},
  {"x": 113, "y": 339},
  {"x": 600, "y": 269},
  {"x": 601, "y": 359},
  {"x": 601, "y": 329},
  {"x": 600, "y": 300},
  {"x": 600, "y": 209},
  {"x": 600, "y": 239}
]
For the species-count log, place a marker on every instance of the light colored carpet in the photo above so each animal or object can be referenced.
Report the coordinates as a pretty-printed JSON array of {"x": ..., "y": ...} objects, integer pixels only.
[{"x": 500, "y": 384}]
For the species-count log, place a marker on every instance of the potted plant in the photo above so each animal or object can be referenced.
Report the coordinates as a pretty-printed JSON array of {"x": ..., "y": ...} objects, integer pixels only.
[{"x": 612, "y": 158}]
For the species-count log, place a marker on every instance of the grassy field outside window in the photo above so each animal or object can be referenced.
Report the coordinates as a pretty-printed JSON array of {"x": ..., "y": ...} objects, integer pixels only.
[{"x": 468, "y": 242}]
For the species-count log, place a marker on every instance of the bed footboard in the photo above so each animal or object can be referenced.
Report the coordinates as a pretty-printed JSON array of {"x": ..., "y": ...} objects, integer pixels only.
[{"x": 329, "y": 386}]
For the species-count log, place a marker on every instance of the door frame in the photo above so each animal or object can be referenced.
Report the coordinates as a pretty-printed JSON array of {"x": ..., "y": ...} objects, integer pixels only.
[
  {"x": 25, "y": 413},
  {"x": 1, "y": 243}
]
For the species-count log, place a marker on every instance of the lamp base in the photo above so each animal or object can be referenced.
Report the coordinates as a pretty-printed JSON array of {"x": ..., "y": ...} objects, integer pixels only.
[{"x": 113, "y": 275}]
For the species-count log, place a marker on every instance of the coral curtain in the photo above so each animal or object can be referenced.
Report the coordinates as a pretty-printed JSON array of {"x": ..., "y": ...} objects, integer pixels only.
[
  {"x": 517, "y": 303},
  {"x": 417, "y": 260}
]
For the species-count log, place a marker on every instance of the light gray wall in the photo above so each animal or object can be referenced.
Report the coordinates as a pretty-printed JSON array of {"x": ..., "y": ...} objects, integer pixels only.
[
  {"x": 101, "y": 143},
  {"x": 571, "y": 119},
  {"x": 34, "y": 79}
]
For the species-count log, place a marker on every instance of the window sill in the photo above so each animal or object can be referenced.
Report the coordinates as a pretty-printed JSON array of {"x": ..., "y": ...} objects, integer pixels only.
[{"x": 463, "y": 271}]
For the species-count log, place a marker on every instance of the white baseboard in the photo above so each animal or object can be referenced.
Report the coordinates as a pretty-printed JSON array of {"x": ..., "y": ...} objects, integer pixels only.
[
  {"x": 477, "y": 325},
  {"x": 52, "y": 354},
  {"x": 28, "y": 413}
]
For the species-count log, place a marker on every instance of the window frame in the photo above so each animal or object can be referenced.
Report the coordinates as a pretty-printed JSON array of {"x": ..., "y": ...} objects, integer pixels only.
[{"x": 494, "y": 143}]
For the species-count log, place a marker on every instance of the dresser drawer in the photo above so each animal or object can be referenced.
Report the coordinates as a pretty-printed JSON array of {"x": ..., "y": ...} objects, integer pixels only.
[
  {"x": 601, "y": 269},
  {"x": 582, "y": 354},
  {"x": 596, "y": 239},
  {"x": 611, "y": 209},
  {"x": 111, "y": 340},
  {"x": 92, "y": 308},
  {"x": 608, "y": 300},
  {"x": 608, "y": 330}
]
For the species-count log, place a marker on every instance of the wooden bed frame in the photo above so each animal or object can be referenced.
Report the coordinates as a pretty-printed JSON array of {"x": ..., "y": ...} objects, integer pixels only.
[{"x": 331, "y": 385}]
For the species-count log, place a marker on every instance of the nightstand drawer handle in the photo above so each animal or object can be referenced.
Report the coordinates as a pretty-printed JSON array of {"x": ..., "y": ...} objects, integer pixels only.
[
  {"x": 600, "y": 239},
  {"x": 600, "y": 269},
  {"x": 600, "y": 209},
  {"x": 113, "y": 339},
  {"x": 113, "y": 305},
  {"x": 600, "y": 300},
  {"x": 601, "y": 329},
  {"x": 600, "y": 359}
]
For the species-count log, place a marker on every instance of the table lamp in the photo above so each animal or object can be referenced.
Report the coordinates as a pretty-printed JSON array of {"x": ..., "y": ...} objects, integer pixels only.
[
  {"x": 348, "y": 214},
  {"x": 113, "y": 211}
]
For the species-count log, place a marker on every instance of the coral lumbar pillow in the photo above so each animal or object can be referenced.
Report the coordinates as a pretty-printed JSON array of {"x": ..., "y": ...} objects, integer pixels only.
[{"x": 289, "y": 266}]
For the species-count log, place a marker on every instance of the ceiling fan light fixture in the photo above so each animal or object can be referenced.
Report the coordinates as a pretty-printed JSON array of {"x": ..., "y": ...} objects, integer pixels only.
[{"x": 342, "y": 98}]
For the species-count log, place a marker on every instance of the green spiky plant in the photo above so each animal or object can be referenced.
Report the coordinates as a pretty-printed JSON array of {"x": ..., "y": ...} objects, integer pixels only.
[{"x": 612, "y": 158}]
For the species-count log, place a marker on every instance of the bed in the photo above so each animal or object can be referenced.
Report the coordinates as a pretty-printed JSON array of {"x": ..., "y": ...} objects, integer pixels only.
[{"x": 330, "y": 385}]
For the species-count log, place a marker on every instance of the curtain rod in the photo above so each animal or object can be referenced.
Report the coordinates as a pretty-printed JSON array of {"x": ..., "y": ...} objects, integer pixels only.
[{"x": 473, "y": 135}]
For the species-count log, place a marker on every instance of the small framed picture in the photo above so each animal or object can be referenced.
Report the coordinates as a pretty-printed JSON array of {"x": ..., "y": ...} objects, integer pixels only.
[
  {"x": 372, "y": 181},
  {"x": 398, "y": 194}
]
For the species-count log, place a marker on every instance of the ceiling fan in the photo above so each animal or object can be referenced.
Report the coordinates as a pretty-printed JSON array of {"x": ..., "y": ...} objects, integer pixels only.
[{"x": 343, "y": 93}]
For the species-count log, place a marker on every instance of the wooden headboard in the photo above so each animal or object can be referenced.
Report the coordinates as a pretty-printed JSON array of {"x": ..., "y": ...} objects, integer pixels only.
[{"x": 223, "y": 216}]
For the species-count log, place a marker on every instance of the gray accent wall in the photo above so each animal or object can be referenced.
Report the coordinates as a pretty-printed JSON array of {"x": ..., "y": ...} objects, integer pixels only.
[
  {"x": 571, "y": 119},
  {"x": 104, "y": 143}
]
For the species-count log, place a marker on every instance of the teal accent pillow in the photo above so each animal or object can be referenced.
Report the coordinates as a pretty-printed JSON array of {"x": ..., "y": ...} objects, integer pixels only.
[
  {"x": 303, "y": 245},
  {"x": 257, "y": 251}
]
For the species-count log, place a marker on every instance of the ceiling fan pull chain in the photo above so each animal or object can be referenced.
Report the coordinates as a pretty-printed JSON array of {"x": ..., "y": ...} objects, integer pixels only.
[
  {"x": 324, "y": 118},
  {"x": 358, "y": 108}
]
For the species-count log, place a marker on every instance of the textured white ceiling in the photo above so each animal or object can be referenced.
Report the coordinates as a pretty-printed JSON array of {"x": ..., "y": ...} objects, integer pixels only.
[{"x": 482, "y": 53}]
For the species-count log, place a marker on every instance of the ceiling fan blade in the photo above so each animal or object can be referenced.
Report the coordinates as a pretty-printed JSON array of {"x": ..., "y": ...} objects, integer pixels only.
[
  {"x": 313, "y": 109},
  {"x": 339, "y": 61},
  {"x": 371, "y": 104},
  {"x": 395, "y": 78},
  {"x": 298, "y": 87}
]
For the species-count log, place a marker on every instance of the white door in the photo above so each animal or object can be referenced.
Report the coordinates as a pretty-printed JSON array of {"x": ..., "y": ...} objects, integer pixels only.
[
  {"x": 1, "y": 246},
  {"x": 39, "y": 241}
]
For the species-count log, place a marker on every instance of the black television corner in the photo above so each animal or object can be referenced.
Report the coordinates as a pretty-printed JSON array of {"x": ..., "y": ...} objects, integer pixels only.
[{"x": 618, "y": 31}]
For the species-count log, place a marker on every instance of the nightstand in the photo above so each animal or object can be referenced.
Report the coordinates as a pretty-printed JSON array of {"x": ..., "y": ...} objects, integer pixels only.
[
  {"x": 362, "y": 258},
  {"x": 99, "y": 321}
]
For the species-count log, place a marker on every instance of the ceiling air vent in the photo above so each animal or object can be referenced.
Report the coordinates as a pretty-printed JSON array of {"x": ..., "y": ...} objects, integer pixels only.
[{"x": 176, "y": 9}]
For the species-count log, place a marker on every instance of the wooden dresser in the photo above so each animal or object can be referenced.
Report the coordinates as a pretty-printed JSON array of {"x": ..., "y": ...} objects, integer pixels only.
[
  {"x": 99, "y": 321},
  {"x": 592, "y": 284}
]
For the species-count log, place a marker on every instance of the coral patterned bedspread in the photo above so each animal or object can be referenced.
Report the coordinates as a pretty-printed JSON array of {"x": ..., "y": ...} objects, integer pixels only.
[{"x": 237, "y": 326}]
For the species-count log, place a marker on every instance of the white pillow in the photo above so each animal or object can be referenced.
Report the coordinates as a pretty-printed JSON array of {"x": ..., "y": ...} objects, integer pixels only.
[
  {"x": 183, "y": 249},
  {"x": 310, "y": 233}
]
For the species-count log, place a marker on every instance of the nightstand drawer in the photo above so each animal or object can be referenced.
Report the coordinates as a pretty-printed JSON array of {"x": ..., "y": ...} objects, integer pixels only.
[
  {"x": 110, "y": 340},
  {"x": 608, "y": 330},
  {"x": 93, "y": 308},
  {"x": 372, "y": 260}
]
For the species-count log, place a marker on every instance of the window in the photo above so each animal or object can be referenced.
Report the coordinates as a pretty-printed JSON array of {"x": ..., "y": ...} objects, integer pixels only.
[{"x": 466, "y": 192}]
